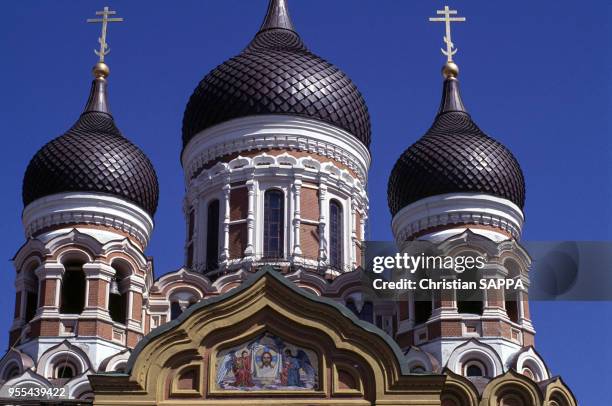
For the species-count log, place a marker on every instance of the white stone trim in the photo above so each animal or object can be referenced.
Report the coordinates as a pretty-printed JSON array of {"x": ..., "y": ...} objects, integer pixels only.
[
  {"x": 530, "y": 359},
  {"x": 458, "y": 208},
  {"x": 278, "y": 132},
  {"x": 289, "y": 174},
  {"x": 87, "y": 208}
]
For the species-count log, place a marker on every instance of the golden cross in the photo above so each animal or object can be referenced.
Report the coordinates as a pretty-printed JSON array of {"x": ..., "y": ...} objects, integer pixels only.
[
  {"x": 450, "y": 47},
  {"x": 104, "y": 49}
]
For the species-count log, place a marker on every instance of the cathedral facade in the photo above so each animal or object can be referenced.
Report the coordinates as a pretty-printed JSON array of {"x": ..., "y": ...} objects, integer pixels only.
[{"x": 269, "y": 307}]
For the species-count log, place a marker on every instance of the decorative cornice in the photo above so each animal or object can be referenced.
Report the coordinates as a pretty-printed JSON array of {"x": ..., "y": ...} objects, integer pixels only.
[
  {"x": 74, "y": 208},
  {"x": 455, "y": 210},
  {"x": 305, "y": 168},
  {"x": 275, "y": 131}
]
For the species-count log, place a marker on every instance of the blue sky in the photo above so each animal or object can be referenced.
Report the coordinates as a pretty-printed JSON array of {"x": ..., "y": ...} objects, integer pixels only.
[{"x": 534, "y": 75}]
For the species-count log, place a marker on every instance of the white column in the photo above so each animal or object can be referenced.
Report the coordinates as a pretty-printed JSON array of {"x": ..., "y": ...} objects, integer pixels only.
[
  {"x": 226, "y": 221},
  {"x": 249, "y": 251},
  {"x": 101, "y": 272},
  {"x": 353, "y": 240},
  {"x": 135, "y": 284},
  {"x": 297, "y": 188},
  {"x": 322, "y": 222}
]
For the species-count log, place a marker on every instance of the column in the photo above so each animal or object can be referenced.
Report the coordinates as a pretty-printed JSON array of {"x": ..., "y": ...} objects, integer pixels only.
[
  {"x": 250, "y": 251},
  {"x": 135, "y": 287},
  {"x": 50, "y": 277},
  {"x": 226, "y": 221},
  {"x": 297, "y": 188},
  {"x": 322, "y": 220},
  {"x": 353, "y": 240},
  {"x": 98, "y": 277}
]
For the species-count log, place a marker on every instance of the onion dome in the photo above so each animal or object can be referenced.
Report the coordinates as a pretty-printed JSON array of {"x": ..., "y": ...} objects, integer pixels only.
[
  {"x": 277, "y": 74},
  {"x": 93, "y": 156},
  {"x": 454, "y": 156}
]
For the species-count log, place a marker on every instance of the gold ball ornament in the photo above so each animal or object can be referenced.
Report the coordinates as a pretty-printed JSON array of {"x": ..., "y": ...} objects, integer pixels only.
[
  {"x": 101, "y": 70},
  {"x": 450, "y": 70}
]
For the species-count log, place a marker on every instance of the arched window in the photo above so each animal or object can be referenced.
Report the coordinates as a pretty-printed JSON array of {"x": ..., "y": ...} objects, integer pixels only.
[
  {"x": 118, "y": 298},
  {"x": 212, "y": 236},
  {"x": 190, "y": 238},
  {"x": 31, "y": 293},
  {"x": 274, "y": 224},
  {"x": 73, "y": 289},
  {"x": 336, "y": 241},
  {"x": 469, "y": 301},
  {"x": 64, "y": 372},
  {"x": 367, "y": 312},
  {"x": 175, "y": 310},
  {"x": 474, "y": 368}
]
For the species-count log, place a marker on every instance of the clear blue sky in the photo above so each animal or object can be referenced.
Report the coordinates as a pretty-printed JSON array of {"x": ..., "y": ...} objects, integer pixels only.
[{"x": 534, "y": 74}]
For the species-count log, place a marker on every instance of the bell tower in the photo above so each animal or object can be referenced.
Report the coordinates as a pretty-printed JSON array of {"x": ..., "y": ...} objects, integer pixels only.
[
  {"x": 82, "y": 276},
  {"x": 464, "y": 191}
]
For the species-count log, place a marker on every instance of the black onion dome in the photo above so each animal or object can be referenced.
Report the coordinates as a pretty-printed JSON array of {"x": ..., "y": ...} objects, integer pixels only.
[
  {"x": 276, "y": 74},
  {"x": 455, "y": 156},
  {"x": 93, "y": 156}
]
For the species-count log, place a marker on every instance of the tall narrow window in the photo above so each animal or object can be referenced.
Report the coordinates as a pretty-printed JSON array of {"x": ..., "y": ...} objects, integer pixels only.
[
  {"x": 73, "y": 289},
  {"x": 190, "y": 235},
  {"x": 175, "y": 310},
  {"x": 335, "y": 235},
  {"x": 212, "y": 236},
  {"x": 273, "y": 224}
]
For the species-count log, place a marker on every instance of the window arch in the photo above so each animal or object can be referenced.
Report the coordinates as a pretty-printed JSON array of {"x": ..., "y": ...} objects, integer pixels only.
[
  {"x": 212, "y": 236},
  {"x": 118, "y": 297},
  {"x": 11, "y": 372},
  {"x": 336, "y": 241},
  {"x": 274, "y": 223},
  {"x": 474, "y": 368},
  {"x": 31, "y": 293},
  {"x": 72, "y": 299},
  {"x": 64, "y": 370}
]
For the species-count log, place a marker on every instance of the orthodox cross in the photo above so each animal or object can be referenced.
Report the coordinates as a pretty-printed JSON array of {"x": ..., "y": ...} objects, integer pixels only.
[
  {"x": 104, "y": 49},
  {"x": 447, "y": 19}
]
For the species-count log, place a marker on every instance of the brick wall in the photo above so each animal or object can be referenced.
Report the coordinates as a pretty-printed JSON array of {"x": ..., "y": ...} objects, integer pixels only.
[
  {"x": 309, "y": 204},
  {"x": 309, "y": 240},
  {"x": 47, "y": 293},
  {"x": 95, "y": 328},
  {"x": 237, "y": 240},
  {"x": 137, "y": 306},
  {"x": 97, "y": 293},
  {"x": 239, "y": 203}
]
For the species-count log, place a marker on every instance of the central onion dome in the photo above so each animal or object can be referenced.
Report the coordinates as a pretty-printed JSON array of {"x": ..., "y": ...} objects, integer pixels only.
[
  {"x": 455, "y": 156},
  {"x": 276, "y": 74},
  {"x": 93, "y": 156}
]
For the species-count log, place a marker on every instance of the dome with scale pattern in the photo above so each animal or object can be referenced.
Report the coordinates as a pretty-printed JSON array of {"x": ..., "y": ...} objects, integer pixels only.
[
  {"x": 455, "y": 156},
  {"x": 93, "y": 156},
  {"x": 277, "y": 74}
]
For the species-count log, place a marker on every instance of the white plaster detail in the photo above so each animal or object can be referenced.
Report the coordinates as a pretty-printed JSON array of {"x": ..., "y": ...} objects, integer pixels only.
[
  {"x": 88, "y": 208},
  {"x": 278, "y": 132},
  {"x": 458, "y": 210}
]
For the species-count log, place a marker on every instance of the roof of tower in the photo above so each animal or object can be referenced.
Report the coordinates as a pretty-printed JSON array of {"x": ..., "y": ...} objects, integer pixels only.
[
  {"x": 93, "y": 156},
  {"x": 454, "y": 156},
  {"x": 277, "y": 74}
]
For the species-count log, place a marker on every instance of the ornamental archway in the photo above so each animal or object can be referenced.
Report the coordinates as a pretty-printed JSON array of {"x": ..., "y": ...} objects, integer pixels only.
[{"x": 267, "y": 342}]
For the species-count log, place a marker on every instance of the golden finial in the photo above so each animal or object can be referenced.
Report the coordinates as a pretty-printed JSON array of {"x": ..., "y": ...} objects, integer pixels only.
[
  {"x": 101, "y": 70},
  {"x": 450, "y": 69}
]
